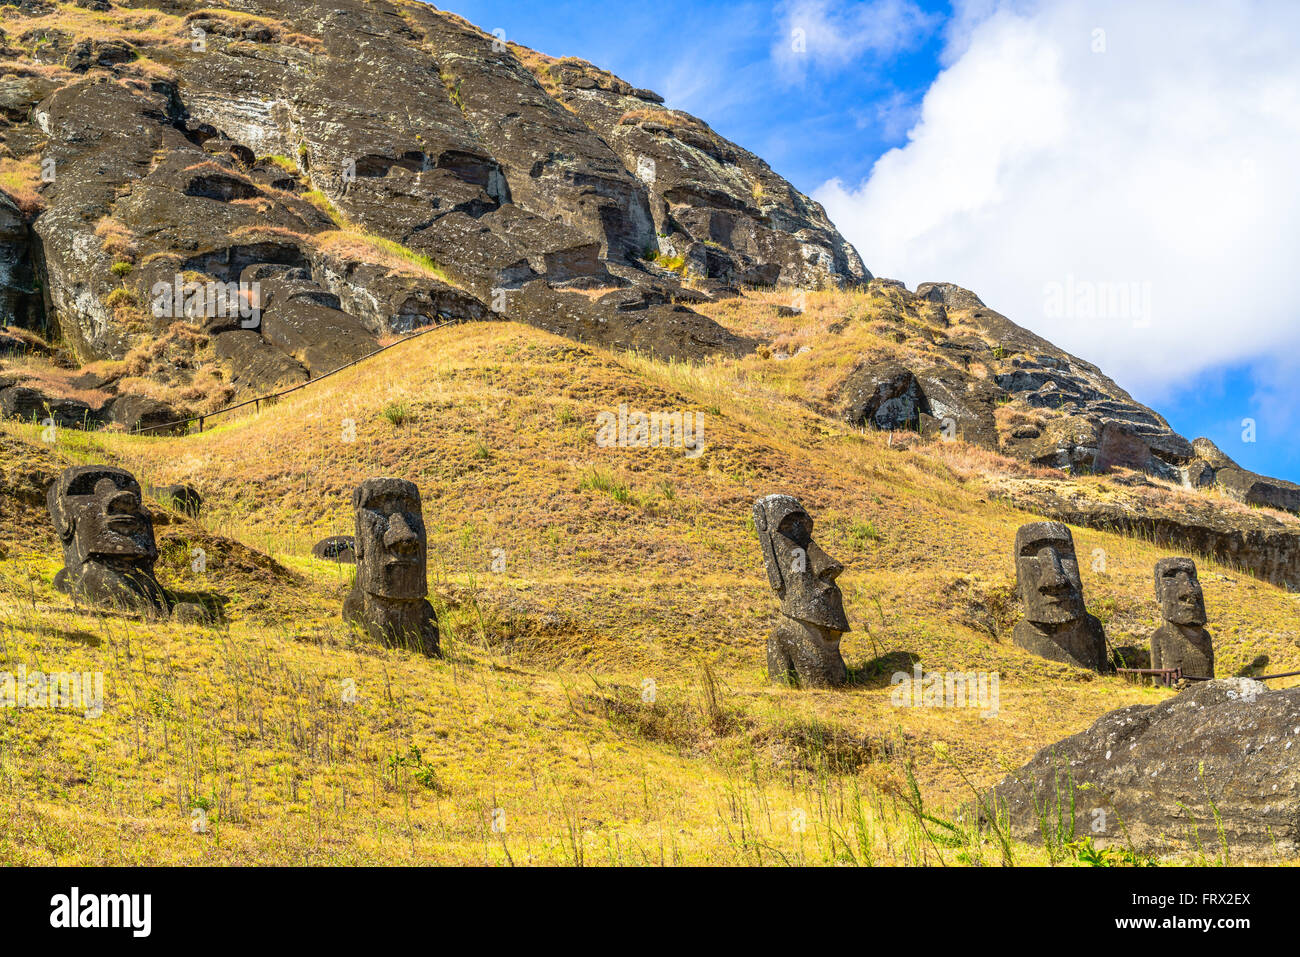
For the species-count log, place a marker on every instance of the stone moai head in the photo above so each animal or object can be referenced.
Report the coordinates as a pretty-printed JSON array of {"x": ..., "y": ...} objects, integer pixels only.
[
  {"x": 391, "y": 548},
  {"x": 107, "y": 536},
  {"x": 1047, "y": 574},
  {"x": 1178, "y": 592},
  {"x": 802, "y": 575}
]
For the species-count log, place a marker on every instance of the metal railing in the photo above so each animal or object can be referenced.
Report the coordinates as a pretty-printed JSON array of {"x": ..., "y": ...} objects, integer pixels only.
[
  {"x": 1171, "y": 676},
  {"x": 257, "y": 401}
]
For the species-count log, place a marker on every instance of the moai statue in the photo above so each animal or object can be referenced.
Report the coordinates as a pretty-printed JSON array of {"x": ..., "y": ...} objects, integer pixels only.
[
  {"x": 804, "y": 647},
  {"x": 1181, "y": 641},
  {"x": 1056, "y": 624},
  {"x": 336, "y": 548},
  {"x": 107, "y": 536},
  {"x": 388, "y": 599}
]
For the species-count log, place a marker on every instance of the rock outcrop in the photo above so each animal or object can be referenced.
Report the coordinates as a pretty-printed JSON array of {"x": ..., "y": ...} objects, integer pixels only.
[
  {"x": 1218, "y": 764},
  {"x": 354, "y": 170},
  {"x": 1075, "y": 417},
  {"x": 1211, "y": 468},
  {"x": 717, "y": 210}
]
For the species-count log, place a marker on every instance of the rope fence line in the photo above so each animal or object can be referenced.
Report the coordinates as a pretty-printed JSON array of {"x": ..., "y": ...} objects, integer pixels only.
[
  {"x": 258, "y": 400},
  {"x": 1171, "y": 676}
]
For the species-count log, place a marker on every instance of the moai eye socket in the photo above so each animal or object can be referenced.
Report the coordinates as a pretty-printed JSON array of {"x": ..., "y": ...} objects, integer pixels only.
[{"x": 797, "y": 528}]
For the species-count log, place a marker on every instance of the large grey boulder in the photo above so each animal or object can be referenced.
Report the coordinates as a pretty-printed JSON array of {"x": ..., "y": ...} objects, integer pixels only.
[
  {"x": 1218, "y": 764},
  {"x": 884, "y": 395}
]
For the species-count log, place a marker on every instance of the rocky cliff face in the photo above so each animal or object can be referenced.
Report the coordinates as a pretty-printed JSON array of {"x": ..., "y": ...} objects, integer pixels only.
[
  {"x": 717, "y": 209},
  {"x": 220, "y": 201},
  {"x": 369, "y": 167},
  {"x": 976, "y": 373}
]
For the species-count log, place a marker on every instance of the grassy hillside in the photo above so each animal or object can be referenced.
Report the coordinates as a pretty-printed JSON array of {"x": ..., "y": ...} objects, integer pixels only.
[{"x": 622, "y": 565}]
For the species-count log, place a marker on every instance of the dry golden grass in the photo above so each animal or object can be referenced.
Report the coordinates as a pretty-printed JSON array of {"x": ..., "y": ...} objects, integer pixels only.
[
  {"x": 32, "y": 340},
  {"x": 621, "y": 565},
  {"x": 602, "y": 590},
  {"x": 21, "y": 179},
  {"x": 360, "y": 246},
  {"x": 142, "y": 28},
  {"x": 40, "y": 373},
  {"x": 116, "y": 239}
]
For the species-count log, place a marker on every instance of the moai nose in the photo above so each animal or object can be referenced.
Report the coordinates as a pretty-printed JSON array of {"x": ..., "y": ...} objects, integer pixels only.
[
  {"x": 824, "y": 568},
  {"x": 123, "y": 502},
  {"x": 1052, "y": 575},
  {"x": 399, "y": 532}
]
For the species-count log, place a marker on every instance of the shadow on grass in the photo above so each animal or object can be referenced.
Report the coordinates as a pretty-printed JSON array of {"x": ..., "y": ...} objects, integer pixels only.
[{"x": 877, "y": 672}]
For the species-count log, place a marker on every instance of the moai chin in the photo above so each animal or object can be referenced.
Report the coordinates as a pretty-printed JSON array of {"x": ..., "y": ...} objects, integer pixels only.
[
  {"x": 1181, "y": 641},
  {"x": 1056, "y": 624},
  {"x": 389, "y": 599},
  {"x": 107, "y": 536},
  {"x": 804, "y": 647}
]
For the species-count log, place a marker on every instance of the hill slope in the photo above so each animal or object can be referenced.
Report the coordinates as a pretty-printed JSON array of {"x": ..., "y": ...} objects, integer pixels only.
[{"x": 621, "y": 565}]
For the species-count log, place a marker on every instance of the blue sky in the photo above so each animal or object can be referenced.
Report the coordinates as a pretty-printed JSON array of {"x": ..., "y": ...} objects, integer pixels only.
[
  {"x": 1025, "y": 144},
  {"x": 714, "y": 58}
]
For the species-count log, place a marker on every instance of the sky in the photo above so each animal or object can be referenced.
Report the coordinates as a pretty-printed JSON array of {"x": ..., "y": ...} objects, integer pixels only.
[{"x": 1122, "y": 178}]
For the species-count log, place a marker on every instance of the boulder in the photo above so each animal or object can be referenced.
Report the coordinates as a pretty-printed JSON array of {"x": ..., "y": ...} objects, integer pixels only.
[
  {"x": 1216, "y": 767},
  {"x": 961, "y": 402},
  {"x": 254, "y": 364},
  {"x": 137, "y": 413},
  {"x": 884, "y": 396},
  {"x": 949, "y": 295},
  {"x": 183, "y": 498},
  {"x": 32, "y": 405}
]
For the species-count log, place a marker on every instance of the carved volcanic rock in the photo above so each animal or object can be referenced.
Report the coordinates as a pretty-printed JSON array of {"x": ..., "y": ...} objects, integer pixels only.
[
  {"x": 374, "y": 167},
  {"x": 884, "y": 395},
  {"x": 1212, "y": 467},
  {"x": 1156, "y": 774}
]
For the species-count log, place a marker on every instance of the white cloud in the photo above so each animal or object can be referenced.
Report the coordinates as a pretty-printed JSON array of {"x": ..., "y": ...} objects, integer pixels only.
[
  {"x": 892, "y": 115},
  {"x": 835, "y": 33},
  {"x": 1168, "y": 162}
]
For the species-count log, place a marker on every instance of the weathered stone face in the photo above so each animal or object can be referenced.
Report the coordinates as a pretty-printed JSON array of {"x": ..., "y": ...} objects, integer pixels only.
[
  {"x": 388, "y": 597},
  {"x": 107, "y": 535},
  {"x": 1181, "y": 641},
  {"x": 390, "y": 541},
  {"x": 1056, "y": 625},
  {"x": 1179, "y": 592},
  {"x": 802, "y": 575},
  {"x": 805, "y": 642},
  {"x": 1047, "y": 573}
]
